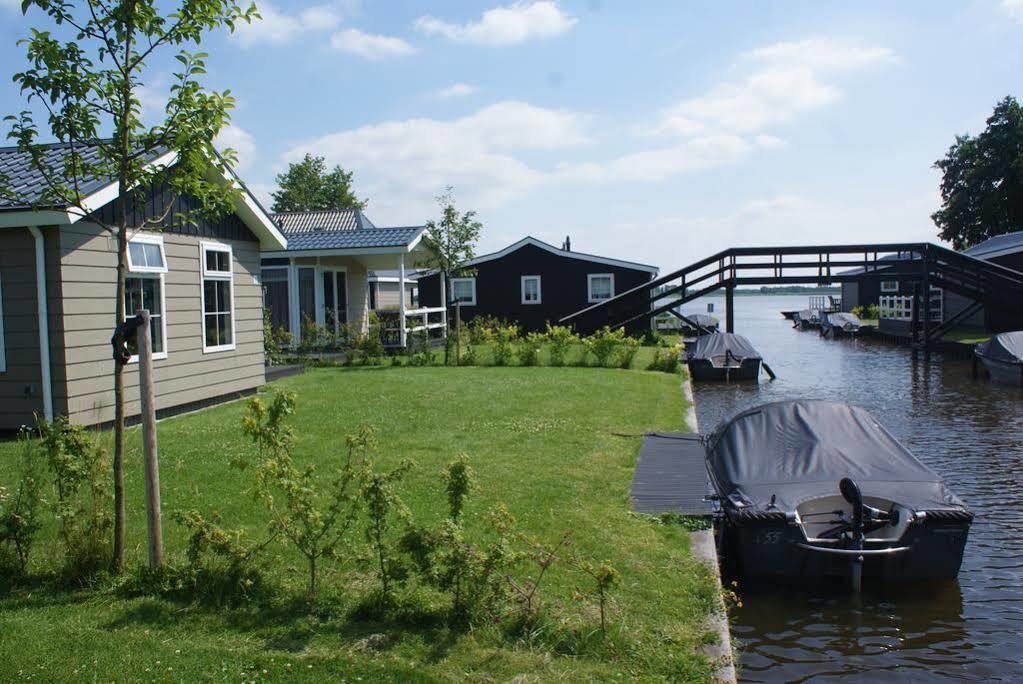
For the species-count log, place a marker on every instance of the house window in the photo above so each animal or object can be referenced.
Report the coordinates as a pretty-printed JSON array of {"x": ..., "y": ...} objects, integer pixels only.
[
  {"x": 889, "y": 286},
  {"x": 600, "y": 286},
  {"x": 144, "y": 289},
  {"x": 217, "y": 297},
  {"x": 463, "y": 291},
  {"x": 3, "y": 346},
  {"x": 531, "y": 289}
]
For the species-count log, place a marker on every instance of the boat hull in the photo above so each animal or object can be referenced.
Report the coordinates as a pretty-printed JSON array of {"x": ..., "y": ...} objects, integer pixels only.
[
  {"x": 770, "y": 550},
  {"x": 1003, "y": 373},
  {"x": 836, "y": 331},
  {"x": 704, "y": 370}
]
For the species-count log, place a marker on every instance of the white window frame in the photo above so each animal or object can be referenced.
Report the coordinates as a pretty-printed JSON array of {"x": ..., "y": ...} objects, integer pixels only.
[
  {"x": 539, "y": 289},
  {"x": 227, "y": 276},
  {"x": 886, "y": 286},
  {"x": 3, "y": 341},
  {"x": 590, "y": 277},
  {"x": 155, "y": 273},
  {"x": 472, "y": 286}
]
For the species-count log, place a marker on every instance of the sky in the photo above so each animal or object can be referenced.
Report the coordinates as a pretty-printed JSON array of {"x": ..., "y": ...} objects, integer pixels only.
[{"x": 658, "y": 132}]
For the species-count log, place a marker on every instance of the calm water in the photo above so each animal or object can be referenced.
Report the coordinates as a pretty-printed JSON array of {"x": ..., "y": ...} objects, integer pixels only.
[{"x": 969, "y": 431}]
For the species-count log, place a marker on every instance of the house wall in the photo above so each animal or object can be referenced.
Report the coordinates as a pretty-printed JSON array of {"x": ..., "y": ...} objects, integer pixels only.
[
  {"x": 88, "y": 257},
  {"x": 387, "y": 295},
  {"x": 563, "y": 286},
  {"x": 21, "y": 391}
]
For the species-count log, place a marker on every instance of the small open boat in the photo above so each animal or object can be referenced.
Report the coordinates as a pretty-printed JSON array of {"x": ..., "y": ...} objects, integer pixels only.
[
  {"x": 815, "y": 489},
  {"x": 723, "y": 357},
  {"x": 1002, "y": 355},
  {"x": 807, "y": 319},
  {"x": 841, "y": 324}
]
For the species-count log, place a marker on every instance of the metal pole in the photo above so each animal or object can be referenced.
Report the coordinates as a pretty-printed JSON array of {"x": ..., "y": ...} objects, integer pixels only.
[
  {"x": 927, "y": 297},
  {"x": 402, "y": 331},
  {"x": 458, "y": 333},
  {"x": 730, "y": 308},
  {"x": 153, "y": 522}
]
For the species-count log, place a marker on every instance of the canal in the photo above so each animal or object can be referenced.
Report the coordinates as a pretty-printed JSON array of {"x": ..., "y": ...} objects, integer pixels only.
[{"x": 970, "y": 432}]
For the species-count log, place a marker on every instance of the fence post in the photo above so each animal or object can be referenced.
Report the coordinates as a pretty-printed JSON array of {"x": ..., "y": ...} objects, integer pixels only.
[
  {"x": 458, "y": 333},
  {"x": 144, "y": 343}
]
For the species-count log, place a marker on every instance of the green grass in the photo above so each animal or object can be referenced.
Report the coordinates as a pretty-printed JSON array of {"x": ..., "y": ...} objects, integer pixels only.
[
  {"x": 967, "y": 335},
  {"x": 545, "y": 441}
]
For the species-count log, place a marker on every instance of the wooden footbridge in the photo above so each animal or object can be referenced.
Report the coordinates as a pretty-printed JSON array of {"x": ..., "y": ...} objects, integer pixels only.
[{"x": 923, "y": 264}]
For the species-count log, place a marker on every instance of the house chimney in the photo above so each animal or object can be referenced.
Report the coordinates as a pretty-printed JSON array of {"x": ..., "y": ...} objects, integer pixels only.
[{"x": 568, "y": 244}]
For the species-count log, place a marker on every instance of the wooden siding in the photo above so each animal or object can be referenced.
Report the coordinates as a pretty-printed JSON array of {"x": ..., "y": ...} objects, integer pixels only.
[
  {"x": 387, "y": 296},
  {"x": 563, "y": 286},
  {"x": 88, "y": 263}
]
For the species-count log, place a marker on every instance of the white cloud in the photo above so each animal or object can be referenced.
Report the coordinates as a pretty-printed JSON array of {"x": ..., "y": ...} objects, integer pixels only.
[
  {"x": 1014, "y": 8},
  {"x": 404, "y": 164},
  {"x": 277, "y": 27},
  {"x": 660, "y": 163},
  {"x": 505, "y": 25},
  {"x": 456, "y": 90},
  {"x": 239, "y": 140},
  {"x": 823, "y": 54},
  {"x": 370, "y": 45}
]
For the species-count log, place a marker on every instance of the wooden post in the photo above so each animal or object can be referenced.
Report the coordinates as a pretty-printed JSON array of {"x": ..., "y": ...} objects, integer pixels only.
[
  {"x": 730, "y": 308},
  {"x": 926, "y": 287},
  {"x": 402, "y": 332},
  {"x": 144, "y": 343}
]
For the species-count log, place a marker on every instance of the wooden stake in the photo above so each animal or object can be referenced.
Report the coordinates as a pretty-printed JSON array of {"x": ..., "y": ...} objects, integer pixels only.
[
  {"x": 153, "y": 515},
  {"x": 458, "y": 333}
]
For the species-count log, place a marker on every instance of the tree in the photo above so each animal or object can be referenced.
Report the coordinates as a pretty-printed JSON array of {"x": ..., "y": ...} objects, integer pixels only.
[
  {"x": 982, "y": 180},
  {"x": 450, "y": 243},
  {"x": 84, "y": 75},
  {"x": 307, "y": 186}
]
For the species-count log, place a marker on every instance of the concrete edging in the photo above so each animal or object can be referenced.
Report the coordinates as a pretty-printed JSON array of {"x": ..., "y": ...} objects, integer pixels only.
[{"x": 704, "y": 549}]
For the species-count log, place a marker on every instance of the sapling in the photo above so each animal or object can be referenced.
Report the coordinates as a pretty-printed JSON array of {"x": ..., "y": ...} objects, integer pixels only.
[
  {"x": 383, "y": 505},
  {"x": 604, "y": 577}
]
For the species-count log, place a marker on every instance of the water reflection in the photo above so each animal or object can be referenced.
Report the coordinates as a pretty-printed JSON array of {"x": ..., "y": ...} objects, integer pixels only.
[{"x": 967, "y": 429}]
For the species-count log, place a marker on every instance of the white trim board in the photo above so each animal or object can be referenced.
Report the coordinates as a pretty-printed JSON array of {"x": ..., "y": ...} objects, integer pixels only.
[
  {"x": 530, "y": 240},
  {"x": 522, "y": 289},
  {"x": 223, "y": 276}
]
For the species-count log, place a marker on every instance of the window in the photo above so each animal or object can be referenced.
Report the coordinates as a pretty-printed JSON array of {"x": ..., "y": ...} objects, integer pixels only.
[
  {"x": 144, "y": 289},
  {"x": 889, "y": 286},
  {"x": 531, "y": 289},
  {"x": 600, "y": 286},
  {"x": 463, "y": 291},
  {"x": 217, "y": 297},
  {"x": 3, "y": 351}
]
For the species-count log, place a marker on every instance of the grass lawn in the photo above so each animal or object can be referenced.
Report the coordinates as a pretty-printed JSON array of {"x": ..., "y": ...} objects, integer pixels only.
[
  {"x": 967, "y": 335},
  {"x": 542, "y": 440}
]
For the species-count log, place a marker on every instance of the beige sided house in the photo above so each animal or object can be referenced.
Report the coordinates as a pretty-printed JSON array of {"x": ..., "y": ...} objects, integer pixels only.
[{"x": 58, "y": 289}]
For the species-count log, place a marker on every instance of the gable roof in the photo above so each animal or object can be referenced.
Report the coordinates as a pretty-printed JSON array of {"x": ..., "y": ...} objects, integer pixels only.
[
  {"x": 342, "y": 219},
  {"x": 530, "y": 240},
  {"x": 999, "y": 245},
  {"x": 28, "y": 185},
  {"x": 366, "y": 238}
]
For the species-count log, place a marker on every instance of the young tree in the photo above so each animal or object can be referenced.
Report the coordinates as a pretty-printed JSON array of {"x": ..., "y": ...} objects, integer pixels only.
[
  {"x": 307, "y": 186},
  {"x": 450, "y": 242},
  {"x": 86, "y": 68},
  {"x": 982, "y": 180}
]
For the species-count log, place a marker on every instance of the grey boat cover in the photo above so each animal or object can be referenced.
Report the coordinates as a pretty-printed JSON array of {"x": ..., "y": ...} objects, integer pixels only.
[
  {"x": 841, "y": 319},
  {"x": 709, "y": 346},
  {"x": 796, "y": 451},
  {"x": 706, "y": 320},
  {"x": 1004, "y": 347},
  {"x": 809, "y": 314}
]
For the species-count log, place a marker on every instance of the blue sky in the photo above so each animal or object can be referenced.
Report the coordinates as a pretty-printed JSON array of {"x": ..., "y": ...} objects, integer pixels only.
[{"x": 654, "y": 131}]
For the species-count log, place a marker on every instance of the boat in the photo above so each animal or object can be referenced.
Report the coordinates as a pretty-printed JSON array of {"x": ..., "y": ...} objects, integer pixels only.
[
  {"x": 806, "y": 319},
  {"x": 723, "y": 357},
  {"x": 1002, "y": 355},
  {"x": 818, "y": 489},
  {"x": 841, "y": 324},
  {"x": 705, "y": 321},
  {"x": 789, "y": 314}
]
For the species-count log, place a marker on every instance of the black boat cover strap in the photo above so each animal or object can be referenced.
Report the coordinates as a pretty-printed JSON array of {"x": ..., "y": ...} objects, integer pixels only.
[
  {"x": 1005, "y": 347},
  {"x": 794, "y": 451},
  {"x": 717, "y": 344}
]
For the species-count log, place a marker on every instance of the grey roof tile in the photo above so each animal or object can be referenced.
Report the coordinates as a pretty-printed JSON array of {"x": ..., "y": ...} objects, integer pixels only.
[
  {"x": 999, "y": 243},
  {"x": 352, "y": 239},
  {"x": 300, "y": 221}
]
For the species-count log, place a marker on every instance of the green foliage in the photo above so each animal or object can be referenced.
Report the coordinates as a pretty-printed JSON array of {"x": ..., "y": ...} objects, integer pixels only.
[
  {"x": 529, "y": 348},
  {"x": 312, "y": 515},
  {"x": 383, "y": 508},
  {"x": 604, "y": 343},
  {"x": 308, "y": 186},
  {"x": 20, "y": 512},
  {"x": 982, "y": 180},
  {"x": 504, "y": 344},
  {"x": 418, "y": 349},
  {"x": 81, "y": 504},
  {"x": 373, "y": 342},
  {"x": 603, "y": 577},
  {"x": 668, "y": 360},
  {"x": 459, "y": 480},
  {"x": 275, "y": 340},
  {"x": 481, "y": 329},
  {"x": 627, "y": 351},
  {"x": 560, "y": 338}
]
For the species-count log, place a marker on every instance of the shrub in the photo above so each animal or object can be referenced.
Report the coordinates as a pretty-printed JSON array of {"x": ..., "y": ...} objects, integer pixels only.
[
  {"x": 627, "y": 352},
  {"x": 482, "y": 328},
  {"x": 561, "y": 338},
  {"x": 604, "y": 343},
  {"x": 82, "y": 502},
  {"x": 418, "y": 349},
  {"x": 275, "y": 341},
  {"x": 504, "y": 338},
  {"x": 373, "y": 341},
  {"x": 19, "y": 512},
  {"x": 667, "y": 360},
  {"x": 529, "y": 348},
  {"x": 604, "y": 577},
  {"x": 383, "y": 506}
]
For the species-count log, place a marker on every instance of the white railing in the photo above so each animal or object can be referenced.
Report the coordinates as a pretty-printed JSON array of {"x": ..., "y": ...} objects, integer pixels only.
[
  {"x": 432, "y": 320},
  {"x": 900, "y": 307}
]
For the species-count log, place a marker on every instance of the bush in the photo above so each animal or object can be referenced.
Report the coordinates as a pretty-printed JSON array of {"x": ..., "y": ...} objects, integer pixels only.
[
  {"x": 19, "y": 513},
  {"x": 561, "y": 338},
  {"x": 82, "y": 502},
  {"x": 504, "y": 350},
  {"x": 604, "y": 343},
  {"x": 275, "y": 341},
  {"x": 627, "y": 352},
  {"x": 667, "y": 360},
  {"x": 383, "y": 507},
  {"x": 529, "y": 348}
]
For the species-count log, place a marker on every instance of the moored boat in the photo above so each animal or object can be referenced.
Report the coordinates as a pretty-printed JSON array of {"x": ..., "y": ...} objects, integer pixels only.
[
  {"x": 841, "y": 324},
  {"x": 817, "y": 489},
  {"x": 1002, "y": 355},
  {"x": 705, "y": 321},
  {"x": 723, "y": 357},
  {"x": 806, "y": 319}
]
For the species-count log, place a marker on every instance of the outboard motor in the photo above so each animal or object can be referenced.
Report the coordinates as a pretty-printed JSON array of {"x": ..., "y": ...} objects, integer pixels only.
[{"x": 864, "y": 519}]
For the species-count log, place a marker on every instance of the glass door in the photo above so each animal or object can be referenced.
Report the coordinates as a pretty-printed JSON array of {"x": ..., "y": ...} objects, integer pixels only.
[{"x": 335, "y": 301}]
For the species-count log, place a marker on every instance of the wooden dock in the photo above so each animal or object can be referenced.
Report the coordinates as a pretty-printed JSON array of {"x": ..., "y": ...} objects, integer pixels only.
[{"x": 670, "y": 476}]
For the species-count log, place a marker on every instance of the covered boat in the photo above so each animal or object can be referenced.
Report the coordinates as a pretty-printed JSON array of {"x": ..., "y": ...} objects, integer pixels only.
[
  {"x": 806, "y": 319},
  {"x": 723, "y": 356},
  {"x": 813, "y": 489},
  {"x": 705, "y": 321},
  {"x": 1002, "y": 355},
  {"x": 840, "y": 323}
]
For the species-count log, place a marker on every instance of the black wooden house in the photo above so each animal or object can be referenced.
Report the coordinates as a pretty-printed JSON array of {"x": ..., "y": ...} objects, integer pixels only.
[{"x": 532, "y": 283}]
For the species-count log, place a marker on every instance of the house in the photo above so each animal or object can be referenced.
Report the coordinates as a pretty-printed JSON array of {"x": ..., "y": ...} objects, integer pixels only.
[
  {"x": 384, "y": 287},
  {"x": 324, "y": 276},
  {"x": 58, "y": 290},
  {"x": 532, "y": 283}
]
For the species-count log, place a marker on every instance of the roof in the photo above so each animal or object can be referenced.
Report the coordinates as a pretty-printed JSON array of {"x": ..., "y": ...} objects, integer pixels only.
[
  {"x": 529, "y": 240},
  {"x": 343, "y": 219},
  {"x": 28, "y": 185},
  {"x": 999, "y": 245},
  {"x": 353, "y": 239}
]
